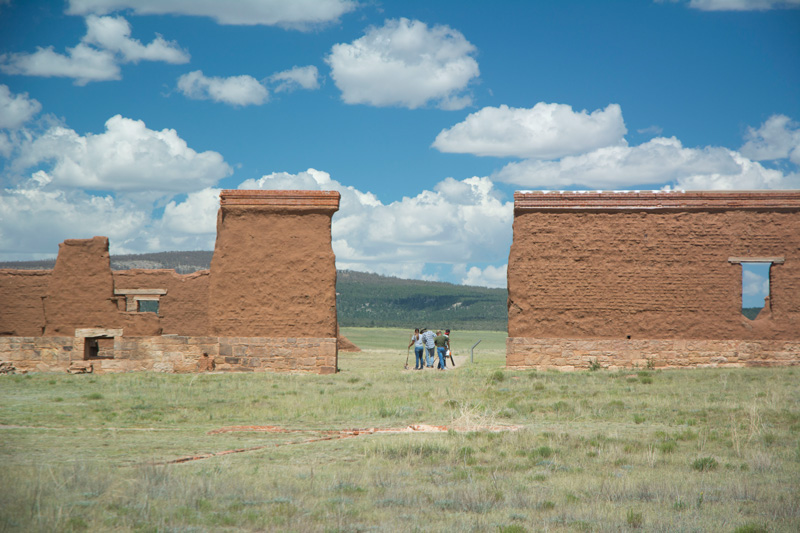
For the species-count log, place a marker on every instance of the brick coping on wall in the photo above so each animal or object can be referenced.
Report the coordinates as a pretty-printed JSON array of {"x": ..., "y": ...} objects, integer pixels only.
[
  {"x": 525, "y": 201},
  {"x": 294, "y": 200}
]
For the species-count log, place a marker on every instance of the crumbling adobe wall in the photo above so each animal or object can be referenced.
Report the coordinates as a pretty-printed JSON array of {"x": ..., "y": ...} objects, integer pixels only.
[
  {"x": 650, "y": 265},
  {"x": 21, "y": 305},
  {"x": 183, "y": 310},
  {"x": 273, "y": 272},
  {"x": 80, "y": 293},
  {"x": 267, "y": 304}
]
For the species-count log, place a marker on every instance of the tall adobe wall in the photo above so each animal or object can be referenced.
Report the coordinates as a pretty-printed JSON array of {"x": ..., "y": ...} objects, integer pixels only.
[
  {"x": 273, "y": 272},
  {"x": 649, "y": 266}
]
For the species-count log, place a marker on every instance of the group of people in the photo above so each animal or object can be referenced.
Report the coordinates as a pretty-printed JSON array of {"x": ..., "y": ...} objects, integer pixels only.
[{"x": 425, "y": 341}]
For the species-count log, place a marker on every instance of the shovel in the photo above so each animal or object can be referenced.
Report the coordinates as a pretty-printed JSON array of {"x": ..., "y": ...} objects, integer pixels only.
[{"x": 408, "y": 351}]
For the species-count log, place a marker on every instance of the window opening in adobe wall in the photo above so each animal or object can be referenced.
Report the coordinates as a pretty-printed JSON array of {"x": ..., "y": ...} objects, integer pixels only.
[
  {"x": 147, "y": 306},
  {"x": 755, "y": 288}
]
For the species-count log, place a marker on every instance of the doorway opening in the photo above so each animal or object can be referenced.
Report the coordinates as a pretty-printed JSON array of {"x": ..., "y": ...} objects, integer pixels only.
[{"x": 98, "y": 348}]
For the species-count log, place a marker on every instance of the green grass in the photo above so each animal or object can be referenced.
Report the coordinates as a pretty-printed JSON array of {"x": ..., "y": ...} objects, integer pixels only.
[{"x": 687, "y": 450}]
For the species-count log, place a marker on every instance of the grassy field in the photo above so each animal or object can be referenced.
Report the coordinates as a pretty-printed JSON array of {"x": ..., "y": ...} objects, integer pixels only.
[{"x": 678, "y": 450}]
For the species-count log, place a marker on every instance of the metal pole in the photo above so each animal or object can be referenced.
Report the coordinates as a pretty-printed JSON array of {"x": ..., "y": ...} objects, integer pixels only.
[{"x": 471, "y": 350}]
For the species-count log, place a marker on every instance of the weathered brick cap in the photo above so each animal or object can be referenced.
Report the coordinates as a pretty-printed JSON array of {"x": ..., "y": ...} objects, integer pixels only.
[
  {"x": 656, "y": 200},
  {"x": 316, "y": 200}
]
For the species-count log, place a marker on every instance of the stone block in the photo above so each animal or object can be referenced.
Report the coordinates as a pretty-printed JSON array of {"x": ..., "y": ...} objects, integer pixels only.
[
  {"x": 663, "y": 353},
  {"x": 257, "y": 350},
  {"x": 164, "y": 367}
]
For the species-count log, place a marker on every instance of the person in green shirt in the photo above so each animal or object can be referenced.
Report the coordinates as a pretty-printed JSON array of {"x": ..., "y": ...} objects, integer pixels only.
[{"x": 441, "y": 346}]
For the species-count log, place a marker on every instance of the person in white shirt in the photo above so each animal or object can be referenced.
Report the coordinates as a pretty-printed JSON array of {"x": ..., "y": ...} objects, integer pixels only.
[
  {"x": 419, "y": 347},
  {"x": 430, "y": 347}
]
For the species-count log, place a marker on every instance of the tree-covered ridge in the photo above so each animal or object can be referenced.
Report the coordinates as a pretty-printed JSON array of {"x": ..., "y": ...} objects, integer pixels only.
[
  {"x": 362, "y": 299},
  {"x": 374, "y": 300},
  {"x": 181, "y": 262}
]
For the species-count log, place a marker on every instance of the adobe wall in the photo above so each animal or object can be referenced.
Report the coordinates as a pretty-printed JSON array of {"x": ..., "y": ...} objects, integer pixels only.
[
  {"x": 280, "y": 243},
  {"x": 648, "y": 266},
  {"x": 267, "y": 304},
  {"x": 183, "y": 309},
  {"x": 21, "y": 301},
  {"x": 77, "y": 293}
]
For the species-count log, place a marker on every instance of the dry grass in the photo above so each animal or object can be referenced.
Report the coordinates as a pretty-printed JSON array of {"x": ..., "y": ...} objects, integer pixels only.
[{"x": 688, "y": 450}]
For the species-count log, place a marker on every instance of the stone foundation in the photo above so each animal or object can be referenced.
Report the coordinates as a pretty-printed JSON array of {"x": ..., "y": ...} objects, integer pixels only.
[
  {"x": 575, "y": 354},
  {"x": 171, "y": 353}
]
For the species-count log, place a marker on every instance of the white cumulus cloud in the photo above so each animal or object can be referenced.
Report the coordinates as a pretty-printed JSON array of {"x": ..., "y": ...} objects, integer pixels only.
[
  {"x": 195, "y": 215},
  {"x": 235, "y": 90},
  {"x": 83, "y": 63},
  {"x": 126, "y": 157},
  {"x": 545, "y": 131},
  {"x": 34, "y": 219},
  {"x": 777, "y": 138},
  {"x": 658, "y": 161},
  {"x": 743, "y": 5},
  {"x": 299, "y": 14},
  {"x": 114, "y": 34},
  {"x": 456, "y": 223},
  {"x": 491, "y": 276},
  {"x": 16, "y": 109},
  {"x": 296, "y": 78},
  {"x": 97, "y": 57},
  {"x": 405, "y": 63}
]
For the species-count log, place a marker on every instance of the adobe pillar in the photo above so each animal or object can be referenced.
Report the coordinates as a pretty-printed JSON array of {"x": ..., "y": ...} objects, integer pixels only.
[{"x": 273, "y": 273}]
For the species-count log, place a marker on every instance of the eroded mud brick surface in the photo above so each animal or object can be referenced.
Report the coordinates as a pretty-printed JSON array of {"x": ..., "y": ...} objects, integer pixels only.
[
  {"x": 651, "y": 265},
  {"x": 273, "y": 273}
]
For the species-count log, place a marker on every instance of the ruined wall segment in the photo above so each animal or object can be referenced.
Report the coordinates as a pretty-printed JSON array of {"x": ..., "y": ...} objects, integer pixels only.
[
  {"x": 183, "y": 308},
  {"x": 80, "y": 293},
  {"x": 273, "y": 272},
  {"x": 650, "y": 265},
  {"x": 21, "y": 301},
  {"x": 267, "y": 304}
]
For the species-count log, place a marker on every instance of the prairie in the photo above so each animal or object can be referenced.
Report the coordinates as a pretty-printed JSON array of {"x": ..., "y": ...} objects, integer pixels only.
[{"x": 676, "y": 450}]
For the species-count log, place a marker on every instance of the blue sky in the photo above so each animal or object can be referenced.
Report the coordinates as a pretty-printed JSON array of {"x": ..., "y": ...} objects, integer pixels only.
[{"x": 125, "y": 118}]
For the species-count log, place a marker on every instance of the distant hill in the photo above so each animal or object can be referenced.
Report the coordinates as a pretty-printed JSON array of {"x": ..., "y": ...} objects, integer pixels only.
[
  {"x": 181, "y": 262},
  {"x": 362, "y": 299},
  {"x": 373, "y": 300},
  {"x": 751, "y": 312}
]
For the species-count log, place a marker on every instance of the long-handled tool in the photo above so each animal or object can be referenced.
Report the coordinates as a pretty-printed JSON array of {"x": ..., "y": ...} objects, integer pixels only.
[
  {"x": 450, "y": 353},
  {"x": 408, "y": 351}
]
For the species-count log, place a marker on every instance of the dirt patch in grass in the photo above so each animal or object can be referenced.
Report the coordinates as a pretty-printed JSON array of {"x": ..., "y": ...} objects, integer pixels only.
[{"x": 328, "y": 434}]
